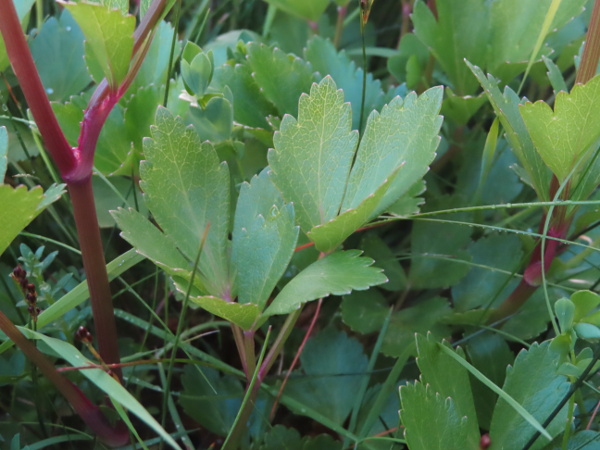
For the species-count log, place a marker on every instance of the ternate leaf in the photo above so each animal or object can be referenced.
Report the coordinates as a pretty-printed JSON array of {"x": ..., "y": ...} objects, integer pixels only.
[
  {"x": 338, "y": 273},
  {"x": 187, "y": 190},
  {"x": 569, "y": 133},
  {"x": 312, "y": 155},
  {"x": 422, "y": 407},
  {"x": 109, "y": 38},
  {"x": 264, "y": 238}
]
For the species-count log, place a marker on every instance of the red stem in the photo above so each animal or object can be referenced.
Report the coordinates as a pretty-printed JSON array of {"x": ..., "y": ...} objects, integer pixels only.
[
  {"x": 90, "y": 413},
  {"x": 591, "y": 50},
  {"x": 31, "y": 85}
]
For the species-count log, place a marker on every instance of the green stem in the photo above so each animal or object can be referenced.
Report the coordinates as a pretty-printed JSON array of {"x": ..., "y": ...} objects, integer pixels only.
[{"x": 239, "y": 425}]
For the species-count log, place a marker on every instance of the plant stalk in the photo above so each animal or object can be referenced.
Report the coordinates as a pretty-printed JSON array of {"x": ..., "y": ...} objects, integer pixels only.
[
  {"x": 591, "y": 50},
  {"x": 94, "y": 265},
  {"x": 90, "y": 413}
]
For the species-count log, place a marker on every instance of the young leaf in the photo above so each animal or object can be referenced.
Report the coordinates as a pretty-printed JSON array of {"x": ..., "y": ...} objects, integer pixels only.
[
  {"x": 534, "y": 383},
  {"x": 312, "y": 156},
  {"x": 282, "y": 78},
  {"x": 109, "y": 38},
  {"x": 338, "y": 273},
  {"x": 570, "y": 132},
  {"x": 264, "y": 238},
  {"x": 421, "y": 408},
  {"x": 447, "y": 378},
  {"x": 187, "y": 190}
]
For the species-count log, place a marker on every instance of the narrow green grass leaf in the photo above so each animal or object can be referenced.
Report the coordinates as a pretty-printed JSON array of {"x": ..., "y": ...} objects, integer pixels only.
[
  {"x": 264, "y": 239},
  {"x": 312, "y": 156},
  {"x": 566, "y": 134},
  {"x": 109, "y": 39},
  {"x": 431, "y": 421},
  {"x": 3, "y": 151},
  {"x": 514, "y": 404},
  {"x": 187, "y": 190},
  {"x": 338, "y": 273},
  {"x": 102, "y": 380}
]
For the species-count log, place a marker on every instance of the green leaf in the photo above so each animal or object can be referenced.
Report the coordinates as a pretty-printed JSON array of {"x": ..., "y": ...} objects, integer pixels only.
[
  {"x": 506, "y": 108},
  {"x": 338, "y": 274},
  {"x": 375, "y": 247},
  {"x": 555, "y": 76},
  {"x": 312, "y": 156},
  {"x": 214, "y": 400},
  {"x": 333, "y": 367},
  {"x": 365, "y": 311},
  {"x": 281, "y": 77},
  {"x": 421, "y": 408},
  {"x": 565, "y": 312},
  {"x": 109, "y": 38},
  {"x": 19, "y": 207},
  {"x": 449, "y": 379},
  {"x": 490, "y": 354},
  {"x": 461, "y": 28},
  {"x": 496, "y": 257},
  {"x": 196, "y": 69},
  {"x": 306, "y": 9},
  {"x": 3, "y": 151},
  {"x": 250, "y": 107},
  {"x": 534, "y": 383},
  {"x": 60, "y": 40},
  {"x": 568, "y": 134},
  {"x": 264, "y": 238},
  {"x": 585, "y": 302},
  {"x": 155, "y": 67},
  {"x": 187, "y": 190},
  {"x": 325, "y": 59},
  {"x": 213, "y": 121},
  {"x": 102, "y": 380},
  {"x": 330, "y": 235},
  {"x": 404, "y": 135},
  {"x": 148, "y": 240},
  {"x": 243, "y": 315}
]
